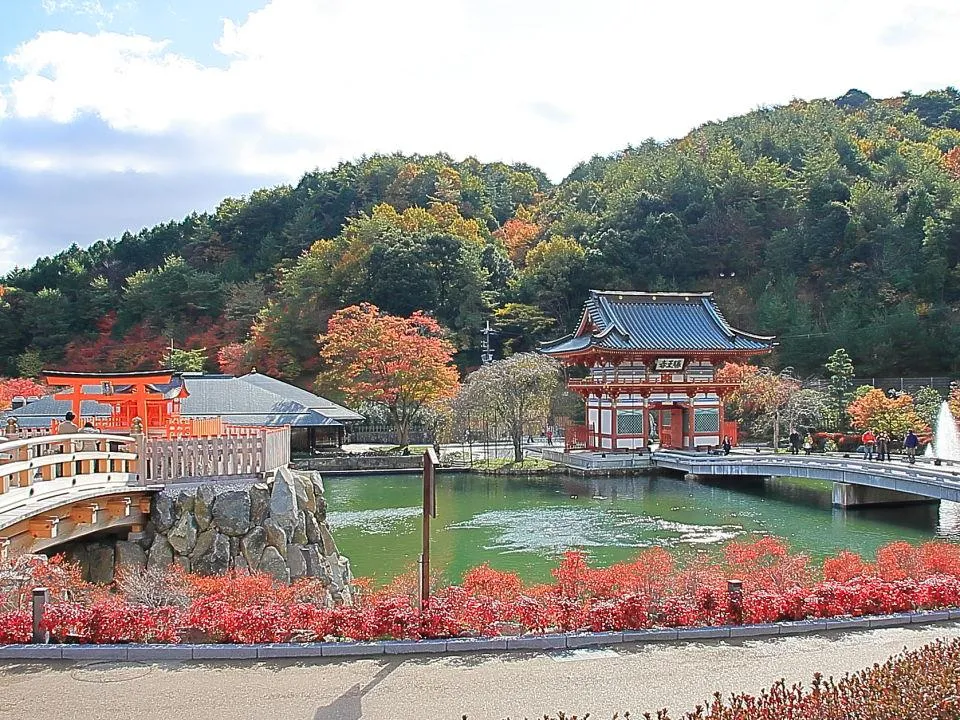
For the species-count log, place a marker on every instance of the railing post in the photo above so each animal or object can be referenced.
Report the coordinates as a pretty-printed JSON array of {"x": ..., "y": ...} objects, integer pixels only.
[
  {"x": 139, "y": 465},
  {"x": 735, "y": 600},
  {"x": 40, "y": 597}
]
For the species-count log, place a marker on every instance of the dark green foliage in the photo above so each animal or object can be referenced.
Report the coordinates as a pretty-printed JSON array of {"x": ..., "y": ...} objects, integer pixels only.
[{"x": 829, "y": 223}]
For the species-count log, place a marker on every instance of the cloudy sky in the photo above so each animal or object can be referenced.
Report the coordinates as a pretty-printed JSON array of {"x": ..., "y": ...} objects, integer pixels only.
[{"x": 117, "y": 114}]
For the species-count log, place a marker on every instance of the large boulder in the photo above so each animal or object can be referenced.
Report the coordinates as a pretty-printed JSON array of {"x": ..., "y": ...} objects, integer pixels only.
[
  {"x": 100, "y": 569},
  {"x": 161, "y": 512},
  {"x": 184, "y": 503},
  {"x": 252, "y": 546},
  {"x": 312, "y": 528},
  {"x": 300, "y": 529},
  {"x": 284, "y": 508},
  {"x": 183, "y": 536},
  {"x": 276, "y": 536},
  {"x": 231, "y": 512},
  {"x": 259, "y": 503},
  {"x": 296, "y": 562},
  {"x": 130, "y": 556},
  {"x": 204, "y": 543},
  {"x": 300, "y": 481},
  {"x": 161, "y": 553},
  {"x": 310, "y": 506},
  {"x": 316, "y": 566},
  {"x": 273, "y": 565},
  {"x": 217, "y": 560},
  {"x": 326, "y": 539},
  {"x": 203, "y": 506}
]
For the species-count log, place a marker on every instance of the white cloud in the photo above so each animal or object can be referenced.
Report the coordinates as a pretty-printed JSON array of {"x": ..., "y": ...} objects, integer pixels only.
[
  {"x": 93, "y": 8},
  {"x": 551, "y": 82}
]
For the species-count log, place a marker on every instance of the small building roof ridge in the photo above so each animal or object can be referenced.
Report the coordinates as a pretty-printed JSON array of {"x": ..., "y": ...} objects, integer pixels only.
[{"x": 647, "y": 293}]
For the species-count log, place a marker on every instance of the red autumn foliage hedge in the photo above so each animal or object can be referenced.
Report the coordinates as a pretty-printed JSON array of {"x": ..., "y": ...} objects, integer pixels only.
[{"x": 654, "y": 590}]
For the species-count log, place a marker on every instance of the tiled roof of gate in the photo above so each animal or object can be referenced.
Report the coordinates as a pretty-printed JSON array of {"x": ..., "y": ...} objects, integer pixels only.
[
  {"x": 249, "y": 400},
  {"x": 615, "y": 320},
  {"x": 243, "y": 403}
]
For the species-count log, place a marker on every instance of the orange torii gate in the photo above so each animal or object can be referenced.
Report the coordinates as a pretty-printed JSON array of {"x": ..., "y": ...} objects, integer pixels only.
[{"x": 152, "y": 396}]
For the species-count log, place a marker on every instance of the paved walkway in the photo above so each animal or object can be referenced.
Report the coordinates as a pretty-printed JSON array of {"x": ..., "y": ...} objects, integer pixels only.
[{"x": 484, "y": 687}]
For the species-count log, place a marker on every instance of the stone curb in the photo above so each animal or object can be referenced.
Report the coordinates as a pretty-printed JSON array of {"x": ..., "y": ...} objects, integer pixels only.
[{"x": 523, "y": 643}]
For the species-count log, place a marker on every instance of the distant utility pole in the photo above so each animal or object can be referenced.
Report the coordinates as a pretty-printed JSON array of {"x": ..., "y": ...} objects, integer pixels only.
[{"x": 486, "y": 354}]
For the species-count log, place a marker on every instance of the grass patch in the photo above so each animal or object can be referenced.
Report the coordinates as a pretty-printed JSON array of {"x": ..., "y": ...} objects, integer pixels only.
[{"x": 507, "y": 465}]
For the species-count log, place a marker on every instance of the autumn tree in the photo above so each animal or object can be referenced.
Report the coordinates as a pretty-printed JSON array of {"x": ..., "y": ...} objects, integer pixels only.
[
  {"x": 403, "y": 364},
  {"x": 518, "y": 391},
  {"x": 764, "y": 398},
  {"x": 19, "y": 387},
  {"x": 875, "y": 410}
]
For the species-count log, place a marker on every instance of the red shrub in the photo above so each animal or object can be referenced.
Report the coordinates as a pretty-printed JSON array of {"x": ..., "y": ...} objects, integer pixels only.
[
  {"x": 897, "y": 561},
  {"x": 487, "y": 582},
  {"x": 846, "y": 565},
  {"x": 572, "y": 574},
  {"x": 16, "y": 626}
]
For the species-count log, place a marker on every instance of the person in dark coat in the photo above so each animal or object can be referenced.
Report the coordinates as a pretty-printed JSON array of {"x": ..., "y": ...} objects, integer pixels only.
[
  {"x": 794, "y": 442},
  {"x": 910, "y": 443}
]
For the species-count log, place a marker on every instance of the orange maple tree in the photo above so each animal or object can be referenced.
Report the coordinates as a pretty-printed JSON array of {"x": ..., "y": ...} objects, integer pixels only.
[
  {"x": 893, "y": 415},
  {"x": 19, "y": 387},
  {"x": 951, "y": 162},
  {"x": 401, "y": 364},
  {"x": 518, "y": 235}
]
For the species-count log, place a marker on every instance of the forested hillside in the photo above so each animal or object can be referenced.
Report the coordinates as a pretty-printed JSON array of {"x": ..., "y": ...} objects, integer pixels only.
[{"x": 827, "y": 223}]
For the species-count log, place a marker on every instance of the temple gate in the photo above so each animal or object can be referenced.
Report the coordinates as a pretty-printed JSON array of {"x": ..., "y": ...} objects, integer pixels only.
[{"x": 652, "y": 359}]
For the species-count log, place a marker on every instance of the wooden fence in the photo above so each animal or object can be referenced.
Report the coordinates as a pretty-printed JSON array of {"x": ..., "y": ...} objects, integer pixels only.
[{"x": 258, "y": 451}]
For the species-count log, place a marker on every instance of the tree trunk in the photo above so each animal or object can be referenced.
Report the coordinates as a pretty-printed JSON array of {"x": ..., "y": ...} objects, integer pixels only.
[
  {"x": 517, "y": 449},
  {"x": 776, "y": 429},
  {"x": 403, "y": 430}
]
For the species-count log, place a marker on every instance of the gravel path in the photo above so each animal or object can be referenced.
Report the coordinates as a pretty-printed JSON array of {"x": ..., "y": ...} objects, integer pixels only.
[{"x": 484, "y": 686}]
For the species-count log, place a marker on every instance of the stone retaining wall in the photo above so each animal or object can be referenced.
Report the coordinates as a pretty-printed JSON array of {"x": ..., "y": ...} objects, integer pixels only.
[
  {"x": 413, "y": 463},
  {"x": 277, "y": 527}
]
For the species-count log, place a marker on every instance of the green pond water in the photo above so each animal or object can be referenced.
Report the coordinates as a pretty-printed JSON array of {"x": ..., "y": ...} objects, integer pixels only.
[{"x": 524, "y": 524}]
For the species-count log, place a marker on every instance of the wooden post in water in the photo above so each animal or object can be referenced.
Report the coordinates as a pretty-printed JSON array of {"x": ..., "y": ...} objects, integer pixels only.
[{"x": 430, "y": 462}]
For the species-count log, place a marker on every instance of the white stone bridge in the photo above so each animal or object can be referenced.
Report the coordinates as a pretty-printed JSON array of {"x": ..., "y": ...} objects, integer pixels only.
[
  {"x": 57, "y": 488},
  {"x": 857, "y": 482}
]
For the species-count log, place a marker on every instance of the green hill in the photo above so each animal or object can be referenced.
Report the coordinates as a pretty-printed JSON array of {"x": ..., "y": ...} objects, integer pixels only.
[{"x": 828, "y": 223}]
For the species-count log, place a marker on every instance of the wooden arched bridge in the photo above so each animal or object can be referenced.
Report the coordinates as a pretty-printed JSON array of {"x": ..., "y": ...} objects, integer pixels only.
[
  {"x": 857, "y": 482},
  {"x": 58, "y": 488}
]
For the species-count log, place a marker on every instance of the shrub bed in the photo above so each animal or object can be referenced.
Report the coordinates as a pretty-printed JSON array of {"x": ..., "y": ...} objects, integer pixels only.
[{"x": 654, "y": 590}]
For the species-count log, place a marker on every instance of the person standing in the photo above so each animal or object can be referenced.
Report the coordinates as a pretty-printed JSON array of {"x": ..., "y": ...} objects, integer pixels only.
[
  {"x": 808, "y": 444},
  {"x": 910, "y": 442},
  {"x": 794, "y": 442},
  {"x": 67, "y": 426},
  {"x": 869, "y": 440},
  {"x": 549, "y": 436},
  {"x": 883, "y": 446}
]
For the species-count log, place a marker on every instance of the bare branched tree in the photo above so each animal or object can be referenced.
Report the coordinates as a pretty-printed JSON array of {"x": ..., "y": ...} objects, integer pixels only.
[{"x": 516, "y": 392}]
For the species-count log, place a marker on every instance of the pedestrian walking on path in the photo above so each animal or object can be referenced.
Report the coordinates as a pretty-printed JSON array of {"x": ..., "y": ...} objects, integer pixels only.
[
  {"x": 910, "y": 442},
  {"x": 869, "y": 440}
]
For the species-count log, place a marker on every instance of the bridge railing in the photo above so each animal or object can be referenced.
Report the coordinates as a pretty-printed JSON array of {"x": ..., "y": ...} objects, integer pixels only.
[
  {"x": 252, "y": 453},
  {"x": 26, "y": 461}
]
